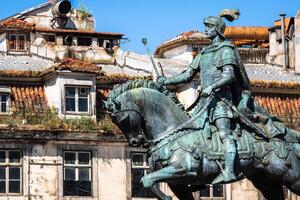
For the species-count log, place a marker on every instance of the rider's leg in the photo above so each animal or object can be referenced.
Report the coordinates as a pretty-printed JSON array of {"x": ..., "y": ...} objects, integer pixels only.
[{"x": 229, "y": 145}]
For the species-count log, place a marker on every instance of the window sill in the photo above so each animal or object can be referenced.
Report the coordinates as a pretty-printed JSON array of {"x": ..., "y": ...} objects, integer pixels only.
[{"x": 79, "y": 113}]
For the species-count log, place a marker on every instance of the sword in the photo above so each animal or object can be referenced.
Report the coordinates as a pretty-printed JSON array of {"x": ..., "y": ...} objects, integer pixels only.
[
  {"x": 243, "y": 117},
  {"x": 144, "y": 41}
]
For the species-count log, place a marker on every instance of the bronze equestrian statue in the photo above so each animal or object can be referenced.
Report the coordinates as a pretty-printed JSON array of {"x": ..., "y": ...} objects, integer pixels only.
[{"x": 228, "y": 137}]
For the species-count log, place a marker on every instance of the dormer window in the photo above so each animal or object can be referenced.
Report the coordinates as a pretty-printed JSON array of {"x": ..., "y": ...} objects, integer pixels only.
[
  {"x": 17, "y": 43},
  {"x": 77, "y": 100}
]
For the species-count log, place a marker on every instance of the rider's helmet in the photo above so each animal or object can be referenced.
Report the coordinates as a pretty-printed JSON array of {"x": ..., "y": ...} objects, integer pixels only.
[{"x": 218, "y": 22}]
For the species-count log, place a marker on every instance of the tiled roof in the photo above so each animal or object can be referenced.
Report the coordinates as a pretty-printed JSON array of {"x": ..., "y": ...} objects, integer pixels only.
[
  {"x": 67, "y": 64},
  {"x": 286, "y": 107},
  {"x": 14, "y": 23},
  {"x": 81, "y": 32},
  {"x": 75, "y": 66},
  {"x": 24, "y": 63},
  {"x": 191, "y": 37},
  {"x": 247, "y": 33},
  {"x": 27, "y": 97},
  {"x": 271, "y": 73}
]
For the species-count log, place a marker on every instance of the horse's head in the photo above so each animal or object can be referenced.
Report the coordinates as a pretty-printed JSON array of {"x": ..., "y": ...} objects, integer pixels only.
[{"x": 129, "y": 119}]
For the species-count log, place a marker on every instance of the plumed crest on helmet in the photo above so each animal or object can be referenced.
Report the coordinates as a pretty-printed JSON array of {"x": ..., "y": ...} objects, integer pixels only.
[{"x": 230, "y": 14}]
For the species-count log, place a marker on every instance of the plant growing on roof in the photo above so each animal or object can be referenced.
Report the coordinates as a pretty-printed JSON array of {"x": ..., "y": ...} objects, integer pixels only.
[{"x": 83, "y": 10}]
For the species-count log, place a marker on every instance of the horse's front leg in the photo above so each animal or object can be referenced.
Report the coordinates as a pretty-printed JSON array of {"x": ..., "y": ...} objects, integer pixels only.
[
  {"x": 166, "y": 174},
  {"x": 158, "y": 193}
]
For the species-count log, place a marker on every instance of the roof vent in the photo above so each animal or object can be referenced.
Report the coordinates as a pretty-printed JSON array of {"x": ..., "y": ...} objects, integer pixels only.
[{"x": 61, "y": 8}]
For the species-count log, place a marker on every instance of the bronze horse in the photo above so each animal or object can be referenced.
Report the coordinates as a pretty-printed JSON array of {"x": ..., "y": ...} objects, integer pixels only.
[{"x": 183, "y": 157}]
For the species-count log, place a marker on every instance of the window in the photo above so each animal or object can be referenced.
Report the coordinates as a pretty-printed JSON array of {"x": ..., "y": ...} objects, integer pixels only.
[
  {"x": 212, "y": 191},
  {"x": 4, "y": 101},
  {"x": 77, "y": 173},
  {"x": 50, "y": 38},
  {"x": 84, "y": 41},
  {"x": 17, "y": 42},
  {"x": 10, "y": 171},
  {"x": 77, "y": 99},
  {"x": 67, "y": 40},
  {"x": 139, "y": 168}
]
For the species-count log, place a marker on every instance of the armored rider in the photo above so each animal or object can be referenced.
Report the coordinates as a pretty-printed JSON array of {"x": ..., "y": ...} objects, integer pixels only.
[{"x": 217, "y": 64}]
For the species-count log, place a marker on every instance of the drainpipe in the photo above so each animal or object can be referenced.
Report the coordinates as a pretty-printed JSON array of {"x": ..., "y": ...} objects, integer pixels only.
[{"x": 285, "y": 58}]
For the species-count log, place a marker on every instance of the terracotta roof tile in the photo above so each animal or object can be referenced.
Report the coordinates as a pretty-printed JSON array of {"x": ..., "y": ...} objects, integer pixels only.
[
  {"x": 284, "y": 106},
  {"x": 247, "y": 33},
  {"x": 14, "y": 23},
  {"x": 27, "y": 97},
  {"x": 75, "y": 66},
  {"x": 76, "y": 31}
]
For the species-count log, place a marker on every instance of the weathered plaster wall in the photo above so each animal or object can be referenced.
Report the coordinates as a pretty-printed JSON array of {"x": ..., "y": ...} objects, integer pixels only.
[
  {"x": 112, "y": 172},
  {"x": 182, "y": 53}
]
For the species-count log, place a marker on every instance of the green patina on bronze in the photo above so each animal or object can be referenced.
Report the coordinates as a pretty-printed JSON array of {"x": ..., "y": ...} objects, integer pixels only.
[{"x": 227, "y": 138}]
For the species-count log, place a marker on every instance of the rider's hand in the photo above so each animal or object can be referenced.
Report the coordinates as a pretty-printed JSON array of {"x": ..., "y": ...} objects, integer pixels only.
[
  {"x": 207, "y": 91},
  {"x": 161, "y": 80}
]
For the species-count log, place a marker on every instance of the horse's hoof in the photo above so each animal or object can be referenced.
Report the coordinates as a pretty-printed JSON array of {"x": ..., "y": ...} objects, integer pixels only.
[{"x": 147, "y": 182}]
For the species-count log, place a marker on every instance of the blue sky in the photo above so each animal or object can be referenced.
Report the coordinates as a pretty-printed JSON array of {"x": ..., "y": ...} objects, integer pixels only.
[{"x": 160, "y": 20}]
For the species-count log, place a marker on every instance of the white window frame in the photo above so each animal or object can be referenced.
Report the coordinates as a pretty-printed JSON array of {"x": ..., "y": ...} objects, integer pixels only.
[
  {"x": 77, "y": 88},
  {"x": 7, "y": 103},
  {"x": 211, "y": 194},
  {"x": 145, "y": 167},
  {"x": 8, "y": 165},
  {"x": 77, "y": 166}
]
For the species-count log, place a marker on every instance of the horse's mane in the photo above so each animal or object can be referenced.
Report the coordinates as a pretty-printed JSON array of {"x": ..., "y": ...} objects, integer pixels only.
[{"x": 129, "y": 85}]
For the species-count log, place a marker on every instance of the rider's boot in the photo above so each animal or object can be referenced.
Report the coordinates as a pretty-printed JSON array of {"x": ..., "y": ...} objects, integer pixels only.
[
  {"x": 230, "y": 157},
  {"x": 230, "y": 152}
]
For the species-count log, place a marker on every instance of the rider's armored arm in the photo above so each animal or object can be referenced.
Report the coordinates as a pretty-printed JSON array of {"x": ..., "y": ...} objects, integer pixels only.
[
  {"x": 184, "y": 77},
  {"x": 227, "y": 77}
]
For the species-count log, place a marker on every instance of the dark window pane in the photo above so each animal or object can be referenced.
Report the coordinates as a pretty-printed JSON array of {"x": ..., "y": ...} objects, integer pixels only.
[
  {"x": 83, "y": 158},
  {"x": 14, "y": 186},
  {"x": 14, "y": 173},
  {"x": 70, "y": 157},
  {"x": 2, "y": 156},
  {"x": 2, "y": 187},
  {"x": 77, "y": 188},
  {"x": 84, "y": 188},
  {"x": 70, "y": 92},
  {"x": 218, "y": 191},
  {"x": 137, "y": 160},
  {"x": 84, "y": 174},
  {"x": 70, "y": 104},
  {"x": 205, "y": 192},
  {"x": 70, "y": 188},
  {"x": 14, "y": 156},
  {"x": 137, "y": 187},
  {"x": 3, "y": 98},
  {"x": 70, "y": 174},
  {"x": 2, "y": 173},
  {"x": 3, "y": 107},
  {"x": 83, "y": 105}
]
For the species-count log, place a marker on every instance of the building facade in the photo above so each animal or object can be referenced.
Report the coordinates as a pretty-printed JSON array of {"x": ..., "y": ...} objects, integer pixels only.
[{"x": 56, "y": 143}]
